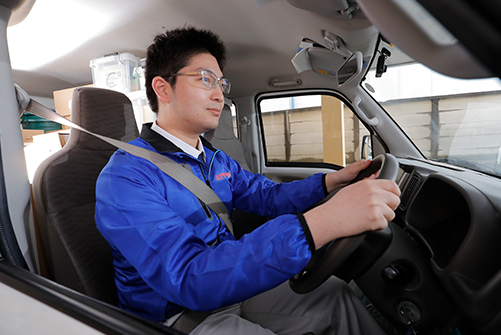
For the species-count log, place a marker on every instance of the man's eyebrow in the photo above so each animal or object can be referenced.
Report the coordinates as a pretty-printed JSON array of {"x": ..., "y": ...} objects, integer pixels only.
[
  {"x": 206, "y": 69},
  {"x": 203, "y": 69}
]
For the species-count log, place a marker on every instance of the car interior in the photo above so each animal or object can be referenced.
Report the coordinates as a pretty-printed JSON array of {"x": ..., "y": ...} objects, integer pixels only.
[{"x": 316, "y": 85}]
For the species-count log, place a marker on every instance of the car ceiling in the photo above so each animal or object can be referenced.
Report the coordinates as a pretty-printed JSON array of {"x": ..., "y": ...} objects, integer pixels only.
[{"x": 261, "y": 37}]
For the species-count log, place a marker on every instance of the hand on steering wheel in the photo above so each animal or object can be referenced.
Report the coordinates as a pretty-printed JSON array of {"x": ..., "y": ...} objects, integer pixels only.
[{"x": 326, "y": 260}]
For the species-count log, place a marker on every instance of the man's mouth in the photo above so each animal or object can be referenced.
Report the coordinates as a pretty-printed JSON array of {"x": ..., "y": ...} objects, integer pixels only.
[{"x": 216, "y": 110}]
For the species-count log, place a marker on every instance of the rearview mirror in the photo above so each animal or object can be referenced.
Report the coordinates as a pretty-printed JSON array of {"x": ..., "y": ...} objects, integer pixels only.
[{"x": 350, "y": 69}]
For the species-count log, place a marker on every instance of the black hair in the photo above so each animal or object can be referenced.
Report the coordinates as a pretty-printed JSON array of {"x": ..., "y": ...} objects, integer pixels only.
[{"x": 171, "y": 51}]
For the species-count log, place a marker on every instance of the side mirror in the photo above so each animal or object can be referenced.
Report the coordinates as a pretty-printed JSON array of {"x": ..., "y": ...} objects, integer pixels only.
[{"x": 366, "y": 152}]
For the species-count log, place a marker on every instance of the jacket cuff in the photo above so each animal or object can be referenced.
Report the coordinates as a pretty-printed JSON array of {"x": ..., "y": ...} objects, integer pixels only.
[
  {"x": 307, "y": 232},
  {"x": 324, "y": 184}
]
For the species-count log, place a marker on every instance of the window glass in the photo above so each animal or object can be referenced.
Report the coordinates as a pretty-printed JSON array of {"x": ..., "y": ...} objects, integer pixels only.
[
  {"x": 311, "y": 129},
  {"x": 456, "y": 121}
]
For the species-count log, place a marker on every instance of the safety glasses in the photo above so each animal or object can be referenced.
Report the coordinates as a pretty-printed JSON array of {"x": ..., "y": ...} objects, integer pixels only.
[{"x": 209, "y": 80}]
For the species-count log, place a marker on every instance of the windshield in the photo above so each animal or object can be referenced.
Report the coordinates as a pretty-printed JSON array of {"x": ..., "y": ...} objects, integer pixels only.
[{"x": 450, "y": 120}]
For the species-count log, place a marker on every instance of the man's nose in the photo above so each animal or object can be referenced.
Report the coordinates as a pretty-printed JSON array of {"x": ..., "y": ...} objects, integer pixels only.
[{"x": 217, "y": 94}]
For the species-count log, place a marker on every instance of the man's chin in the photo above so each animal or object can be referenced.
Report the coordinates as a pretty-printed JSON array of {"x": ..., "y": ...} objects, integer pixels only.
[{"x": 210, "y": 128}]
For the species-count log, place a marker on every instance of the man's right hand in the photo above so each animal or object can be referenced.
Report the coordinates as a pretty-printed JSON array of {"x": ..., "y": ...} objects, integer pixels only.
[{"x": 367, "y": 205}]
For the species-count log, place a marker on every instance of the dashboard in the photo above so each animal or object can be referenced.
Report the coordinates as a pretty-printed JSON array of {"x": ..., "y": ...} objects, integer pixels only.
[{"x": 443, "y": 262}]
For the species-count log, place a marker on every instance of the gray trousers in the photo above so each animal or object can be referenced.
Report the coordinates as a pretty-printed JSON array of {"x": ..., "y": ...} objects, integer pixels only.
[{"x": 332, "y": 308}]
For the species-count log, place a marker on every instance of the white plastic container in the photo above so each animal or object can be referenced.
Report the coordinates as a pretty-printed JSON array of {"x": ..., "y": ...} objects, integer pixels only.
[
  {"x": 141, "y": 107},
  {"x": 116, "y": 72}
]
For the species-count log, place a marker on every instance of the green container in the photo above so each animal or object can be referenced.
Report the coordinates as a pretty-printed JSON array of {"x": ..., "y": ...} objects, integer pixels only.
[{"x": 31, "y": 121}]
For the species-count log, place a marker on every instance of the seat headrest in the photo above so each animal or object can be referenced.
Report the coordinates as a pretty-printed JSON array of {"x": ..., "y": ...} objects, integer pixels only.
[
  {"x": 104, "y": 112},
  {"x": 224, "y": 130}
]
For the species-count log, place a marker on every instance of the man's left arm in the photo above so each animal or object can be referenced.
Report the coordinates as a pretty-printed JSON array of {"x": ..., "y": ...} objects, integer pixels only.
[
  {"x": 256, "y": 193},
  {"x": 343, "y": 177}
]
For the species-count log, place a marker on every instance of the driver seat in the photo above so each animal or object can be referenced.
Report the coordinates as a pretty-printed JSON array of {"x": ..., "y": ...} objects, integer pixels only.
[{"x": 75, "y": 253}]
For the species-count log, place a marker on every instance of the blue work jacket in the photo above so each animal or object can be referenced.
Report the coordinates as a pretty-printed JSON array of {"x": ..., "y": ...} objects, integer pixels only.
[{"x": 171, "y": 252}]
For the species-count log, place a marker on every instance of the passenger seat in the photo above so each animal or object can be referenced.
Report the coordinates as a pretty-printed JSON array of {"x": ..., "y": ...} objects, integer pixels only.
[{"x": 223, "y": 138}]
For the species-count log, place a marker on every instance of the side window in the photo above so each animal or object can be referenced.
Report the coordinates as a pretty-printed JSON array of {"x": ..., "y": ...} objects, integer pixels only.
[{"x": 311, "y": 129}]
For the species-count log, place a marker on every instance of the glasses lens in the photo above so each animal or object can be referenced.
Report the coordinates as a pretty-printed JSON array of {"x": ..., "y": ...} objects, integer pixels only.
[
  {"x": 225, "y": 85},
  {"x": 209, "y": 79}
]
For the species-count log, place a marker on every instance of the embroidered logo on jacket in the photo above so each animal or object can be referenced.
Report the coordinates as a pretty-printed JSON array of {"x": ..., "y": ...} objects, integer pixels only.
[{"x": 224, "y": 175}]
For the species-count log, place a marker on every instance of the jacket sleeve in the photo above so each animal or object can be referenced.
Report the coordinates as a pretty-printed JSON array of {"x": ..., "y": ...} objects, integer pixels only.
[
  {"x": 256, "y": 193},
  {"x": 133, "y": 215}
]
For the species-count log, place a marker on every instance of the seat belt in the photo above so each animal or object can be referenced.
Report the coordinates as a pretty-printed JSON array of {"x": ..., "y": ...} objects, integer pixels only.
[
  {"x": 189, "y": 320},
  {"x": 182, "y": 175}
]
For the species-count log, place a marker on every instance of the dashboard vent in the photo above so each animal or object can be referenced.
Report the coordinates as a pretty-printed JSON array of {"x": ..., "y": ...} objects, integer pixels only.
[{"x": 409, "y": 190}]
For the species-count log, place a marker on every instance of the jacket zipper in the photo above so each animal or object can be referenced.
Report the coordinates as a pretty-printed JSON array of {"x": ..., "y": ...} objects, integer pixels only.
[
  {"x": 207, "y": 181},
  {"x": 204, "y": 206}
]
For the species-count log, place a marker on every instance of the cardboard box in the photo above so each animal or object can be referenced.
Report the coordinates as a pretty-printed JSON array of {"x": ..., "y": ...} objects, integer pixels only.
[
  {"x": 29, "y": 133},
  {"x": 62, "y": 102}
]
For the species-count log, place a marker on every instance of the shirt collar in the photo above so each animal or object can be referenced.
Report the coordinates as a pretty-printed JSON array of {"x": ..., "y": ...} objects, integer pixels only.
[
  {"x": 163, "y": 144},
  {"x": 195, "y": 152}
]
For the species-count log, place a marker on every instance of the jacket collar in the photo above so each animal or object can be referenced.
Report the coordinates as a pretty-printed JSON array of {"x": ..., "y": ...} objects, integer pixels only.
[{"x": 161, "y": 144}]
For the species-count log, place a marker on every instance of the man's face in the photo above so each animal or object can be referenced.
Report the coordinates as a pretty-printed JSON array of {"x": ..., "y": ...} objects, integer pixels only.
[{"x": 197, "y": 107}]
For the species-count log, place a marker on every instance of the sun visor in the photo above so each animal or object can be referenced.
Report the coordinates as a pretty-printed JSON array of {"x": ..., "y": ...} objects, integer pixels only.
[
  {"x": 325, "y": 61},
  {"x": 314, "y": 56},
  {"x": 301, "y": 61},
  {"x": 342, "y": 67}
]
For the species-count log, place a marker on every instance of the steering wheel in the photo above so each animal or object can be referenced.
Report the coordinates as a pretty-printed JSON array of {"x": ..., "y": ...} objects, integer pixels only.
[{"x": 325, "y": 261}]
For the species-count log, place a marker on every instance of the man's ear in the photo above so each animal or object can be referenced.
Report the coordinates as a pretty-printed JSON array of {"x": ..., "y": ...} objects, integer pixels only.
[{"x": 162, "y": 89}]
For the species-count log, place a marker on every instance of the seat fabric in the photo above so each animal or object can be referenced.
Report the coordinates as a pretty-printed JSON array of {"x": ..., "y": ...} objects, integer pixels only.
[{"x": 224, "y": 138}]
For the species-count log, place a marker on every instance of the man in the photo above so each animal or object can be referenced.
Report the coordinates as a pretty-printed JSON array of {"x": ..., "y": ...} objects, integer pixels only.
[{"x": 172, "y": 253}]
